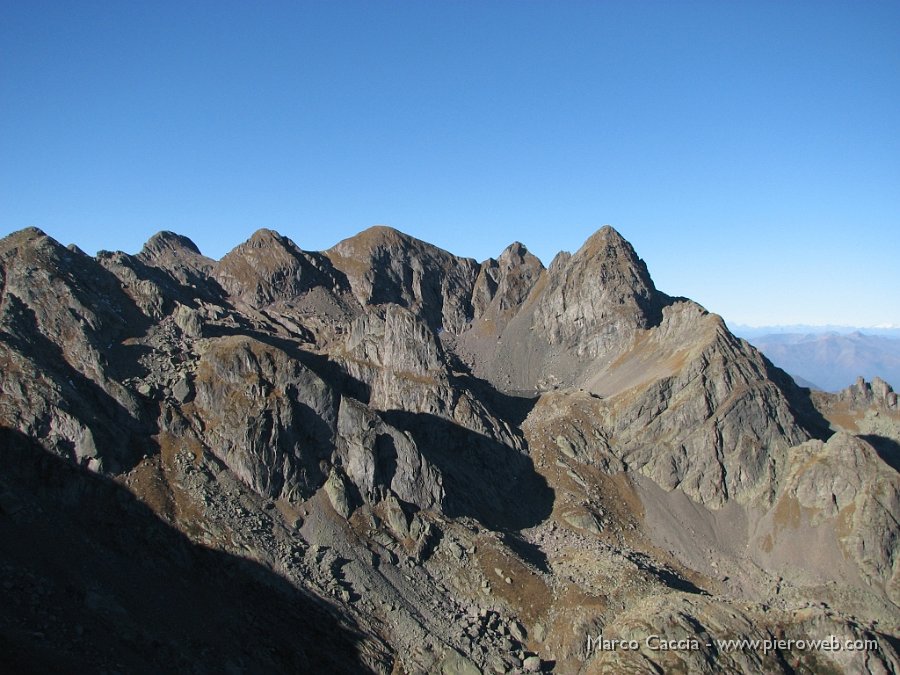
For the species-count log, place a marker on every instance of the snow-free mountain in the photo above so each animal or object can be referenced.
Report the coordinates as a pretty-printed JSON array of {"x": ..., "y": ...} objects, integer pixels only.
[{"x": 384, "y": 457}]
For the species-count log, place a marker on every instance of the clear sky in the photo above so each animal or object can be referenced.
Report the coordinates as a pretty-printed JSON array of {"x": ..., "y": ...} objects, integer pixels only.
[{"x": 749, "y": 150}]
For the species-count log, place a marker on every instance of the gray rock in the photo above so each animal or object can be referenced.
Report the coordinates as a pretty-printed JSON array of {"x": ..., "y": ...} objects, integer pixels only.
[
  {"x": 455, "y": 663},
  {"x": 503, "y": 285},
  {"x": 583, "y": 521},
  {"x": 395, "y": 517},
  {"x": 179, "y": 257},
  {"x": 379, "y": 458},
  {"x": 189, "y": 321},
  {"x": 183, "y": 391},
  {"x": 336, "y": 490}
]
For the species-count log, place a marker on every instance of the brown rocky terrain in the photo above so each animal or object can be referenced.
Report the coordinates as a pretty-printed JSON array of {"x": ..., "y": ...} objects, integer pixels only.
[{"x": 383, "y": 457}]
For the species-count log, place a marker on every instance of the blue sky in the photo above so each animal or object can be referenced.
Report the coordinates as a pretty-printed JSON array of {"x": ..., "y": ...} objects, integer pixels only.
[{"x": 749, "y": 150}]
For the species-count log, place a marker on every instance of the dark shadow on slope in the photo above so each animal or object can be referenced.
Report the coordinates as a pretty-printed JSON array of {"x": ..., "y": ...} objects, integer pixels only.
[
  {"x": 483, "y": 479},
  {"x": 334, "y": 374},
  {"x": 527, "y": 551},
  {"x": 800, "y": 401},
  {"x": 892, "y": 640},
  {"x": 512, "y": 407},
  {"x": 676, "y": 582},
  {"x": 96, "y": 582},
  {"x": 509, "y": 407},
  {"x": 385, "y": 459},
  {"x": 653, "y": 307},
  {"x": 887, "y": 448},
  {"x": 666, "y": 575}
]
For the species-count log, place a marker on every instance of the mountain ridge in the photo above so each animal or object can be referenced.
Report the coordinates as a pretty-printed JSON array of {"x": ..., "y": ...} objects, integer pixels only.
[{"x": 408, "y": 435}]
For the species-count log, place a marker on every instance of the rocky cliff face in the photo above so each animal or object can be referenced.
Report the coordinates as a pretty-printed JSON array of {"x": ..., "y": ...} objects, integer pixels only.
[
  {"x": 503, "y": 285},
  {"x": 596, "y": 301},
  {"x": 387, "y": 266},
  {"x": 469, "y": 467}
]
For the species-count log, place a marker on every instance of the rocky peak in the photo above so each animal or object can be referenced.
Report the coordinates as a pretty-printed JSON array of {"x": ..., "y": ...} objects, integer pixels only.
[
  {"x": 25, "y": 234},
  {"x": 33, "y": 244},
  {"x": 380, "y": 239},
  {"x": 560, "y": 260},
  {"x": 31, "y": 263},
  {"x": 384, "y": 235},
  {"x": 516, "y": 251},
  {"x": 608, "y": 235},
  {"x": 387, "y": 266},
  {"x": 179, "y": 256},
  {"x": 62, "y": 316},
  {"x": 606, "y": 257},
  {"x": 596, "y": 299},
  {"x": 377, "y": 242},
  {"x": 266, "y": 238},
  {"x": 544, "y": 326},
  {"x": 170, "y": 243},
  {"x": 516, "y": 254},
  {"x": 269, "y": 267},
  {"x": 503, "y": 284}
]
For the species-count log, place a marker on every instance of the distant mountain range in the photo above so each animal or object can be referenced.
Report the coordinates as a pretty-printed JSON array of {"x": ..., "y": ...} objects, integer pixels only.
[
  {"x": 748, "y": 332},
  {"x": 831, "y": 360}
]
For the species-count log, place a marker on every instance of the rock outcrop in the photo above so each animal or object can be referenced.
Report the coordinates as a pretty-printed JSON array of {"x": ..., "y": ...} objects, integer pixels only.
[{"x": 268, "y": 417}]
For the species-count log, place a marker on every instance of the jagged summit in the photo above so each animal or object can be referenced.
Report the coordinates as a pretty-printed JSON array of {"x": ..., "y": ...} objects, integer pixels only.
[
  {"x": 30, "y": 232},
  {"x": 606, "y": 233},
  {"x": 262, "y": 241},
  {"x": 178, "y": 256},
  {"x": 33, "y": 251},
  {"x": 384, "y": 265},
  {"x": 614, "y": 257},
  {"x": 502, "y": 285},
  {"x": 390, "y": 435}
]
